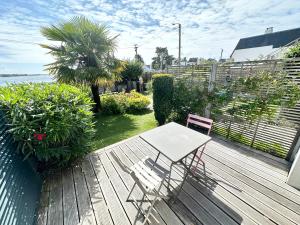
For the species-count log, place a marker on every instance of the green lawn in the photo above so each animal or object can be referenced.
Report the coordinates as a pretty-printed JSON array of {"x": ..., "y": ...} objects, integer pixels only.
[{"x": 113, "y": 128}]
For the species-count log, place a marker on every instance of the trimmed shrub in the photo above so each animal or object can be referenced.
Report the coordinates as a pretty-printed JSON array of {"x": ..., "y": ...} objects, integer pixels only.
[
  {"x": 162, "y": 96},
  {"x": 124, "y": 102},
  {"x": 52, "y": 122},
  {"x": 136, "y": 102},
  {"x": 113, "y": 103}
]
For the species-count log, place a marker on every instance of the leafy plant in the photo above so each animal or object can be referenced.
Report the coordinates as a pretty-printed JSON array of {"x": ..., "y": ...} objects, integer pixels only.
[
  {"x": 52, "y": 122},
  {"x": 260, "y": 96},
  {"x": 84, "y": 54},
  {"x": 113, "y": 103},
  {"x": 293, "y": 52},
  {"x": 124, "y": 102},
  {"x": 132, "y": 70},
  {"x": 189, "y": 96},
  {"x": 162, "y": 96},
  {"x": 136, "y": 102}
]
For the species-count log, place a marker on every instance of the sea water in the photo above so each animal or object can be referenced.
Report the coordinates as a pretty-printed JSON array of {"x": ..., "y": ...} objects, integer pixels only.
[{"x": 34, "y": 78}]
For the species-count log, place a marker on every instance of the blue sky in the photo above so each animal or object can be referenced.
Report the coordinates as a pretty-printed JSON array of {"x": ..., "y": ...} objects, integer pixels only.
[{"x": 207, "y": 26}]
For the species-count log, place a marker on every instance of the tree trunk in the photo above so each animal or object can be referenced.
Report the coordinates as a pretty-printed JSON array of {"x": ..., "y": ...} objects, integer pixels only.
[
  {"x": 96, "y": 97},
  {"x": 128, "y": 86}
]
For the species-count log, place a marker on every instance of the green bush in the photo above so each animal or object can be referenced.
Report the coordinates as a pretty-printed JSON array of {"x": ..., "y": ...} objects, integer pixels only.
[
  {"x": 136, "y": 102},
  {"x": 52, "y": 122},
  {"x": 124, "y": 102},
  {"x": 113, "y": 103},
  {"x": 162, "y": 96},
  {"x": 293, "y": 52},
  {"x": 189, "y": 96}
]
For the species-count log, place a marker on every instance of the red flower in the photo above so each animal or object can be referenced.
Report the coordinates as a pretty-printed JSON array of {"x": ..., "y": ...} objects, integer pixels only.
[{"x": 39, "y": 137}]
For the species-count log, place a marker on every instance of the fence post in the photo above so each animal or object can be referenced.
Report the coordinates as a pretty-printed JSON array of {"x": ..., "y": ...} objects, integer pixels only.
[
  {"x": 211, "y": 82},
  {"x": 255, "y": 132}
]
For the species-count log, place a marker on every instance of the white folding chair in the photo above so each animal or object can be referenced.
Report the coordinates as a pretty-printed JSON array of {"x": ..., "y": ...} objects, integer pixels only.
[{"x": 149, "y": 177}]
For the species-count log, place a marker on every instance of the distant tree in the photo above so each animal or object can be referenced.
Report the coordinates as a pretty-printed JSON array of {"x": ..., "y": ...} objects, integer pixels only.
[
  {"x": 84, "y": 54},
  {"x": 139, "y": 58},
  {"x": 162, "y": 59},
  {"x": 211, "y": 60},
  {"x": 193, "y": 59},
  {"x": 132, "y": 71},
  {"x": 293, "y": 52}
]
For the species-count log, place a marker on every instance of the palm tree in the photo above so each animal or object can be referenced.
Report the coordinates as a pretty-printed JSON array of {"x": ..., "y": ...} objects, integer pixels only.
[{"x": 84, "y": 54}]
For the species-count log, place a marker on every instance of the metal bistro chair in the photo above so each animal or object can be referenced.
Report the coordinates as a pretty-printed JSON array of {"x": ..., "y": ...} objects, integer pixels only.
[
  {"x": 149, "y": 177},
  {"x": 201, "y": 122}
]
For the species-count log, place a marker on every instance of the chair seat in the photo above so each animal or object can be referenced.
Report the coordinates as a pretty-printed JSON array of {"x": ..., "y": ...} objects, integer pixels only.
[{"x": 149, "y": 174}]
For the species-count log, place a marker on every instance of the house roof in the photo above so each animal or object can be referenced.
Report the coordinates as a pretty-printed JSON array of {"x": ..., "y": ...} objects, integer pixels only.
[{"x": 277, "y": 39}]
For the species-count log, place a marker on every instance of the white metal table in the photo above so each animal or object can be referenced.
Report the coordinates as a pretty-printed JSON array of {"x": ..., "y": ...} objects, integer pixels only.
[{"x": 176, "y": 142}]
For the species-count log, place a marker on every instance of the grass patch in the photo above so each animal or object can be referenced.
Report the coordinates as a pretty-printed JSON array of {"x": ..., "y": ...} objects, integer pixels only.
[{"x": 113, "y": 128}]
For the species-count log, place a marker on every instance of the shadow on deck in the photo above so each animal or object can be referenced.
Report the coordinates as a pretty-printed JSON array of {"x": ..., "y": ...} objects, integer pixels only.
[{"x": 240, "y": 187}]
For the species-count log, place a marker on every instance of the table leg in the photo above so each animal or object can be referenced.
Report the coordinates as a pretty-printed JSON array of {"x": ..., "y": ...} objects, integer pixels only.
[
  {"x": 157, "y": 157},
  {"x": 185, "y": 176},
  {"x": 169, "y": 181}
]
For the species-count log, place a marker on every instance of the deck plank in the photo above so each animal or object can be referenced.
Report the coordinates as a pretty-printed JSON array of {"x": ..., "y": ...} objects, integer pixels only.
[
  {"x": 44, "y": 204},
  {"x": 235, "y": 178},
  {"x": 98, "y": 202},
  {"x": 292, "y": 199},
  {"x": 115, "y": 208},
  {"x": 55, "y": 213},
  {"x": 257, "y": 154},
  {"x": 69, "y": 198},
  {"x": 248, "y": 197},
  {"x": 257, "y": 171},
  {"x": 86, "y": 212},
  {"x": 227, "y": 151}
]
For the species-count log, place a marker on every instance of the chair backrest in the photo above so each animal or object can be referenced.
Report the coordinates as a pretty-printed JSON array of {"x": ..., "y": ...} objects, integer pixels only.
[{"x": 200, "y": 121}]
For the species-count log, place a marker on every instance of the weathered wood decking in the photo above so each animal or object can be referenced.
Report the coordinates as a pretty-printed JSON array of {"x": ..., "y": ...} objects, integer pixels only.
[{"x": 240, "y": 187}]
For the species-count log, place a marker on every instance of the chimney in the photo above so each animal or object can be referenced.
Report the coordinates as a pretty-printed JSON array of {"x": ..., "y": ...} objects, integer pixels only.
[{"x": 269, "y": 30}]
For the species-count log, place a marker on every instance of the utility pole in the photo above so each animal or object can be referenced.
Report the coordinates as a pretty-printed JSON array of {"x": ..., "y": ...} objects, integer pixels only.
[
  {"x": 179, "y": 40},
  {"x": 179, "y": 51},
  {"x": 221, "y": 54},
  {"x": 135, "y": 49}
]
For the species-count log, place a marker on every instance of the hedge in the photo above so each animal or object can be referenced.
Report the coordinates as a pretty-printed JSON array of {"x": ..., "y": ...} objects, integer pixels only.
[{"x": 162, "y": 96}]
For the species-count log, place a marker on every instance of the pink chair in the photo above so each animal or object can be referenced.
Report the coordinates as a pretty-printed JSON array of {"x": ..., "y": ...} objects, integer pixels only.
[{"x": 203, "y": 123}]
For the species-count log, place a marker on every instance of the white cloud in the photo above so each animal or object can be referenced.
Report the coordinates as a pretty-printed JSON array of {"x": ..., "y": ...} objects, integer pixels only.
[{"x": 207, "y": 25}]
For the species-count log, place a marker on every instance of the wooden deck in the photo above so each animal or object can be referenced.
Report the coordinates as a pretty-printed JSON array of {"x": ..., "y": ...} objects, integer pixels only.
[{"x": 240, "y": 187}]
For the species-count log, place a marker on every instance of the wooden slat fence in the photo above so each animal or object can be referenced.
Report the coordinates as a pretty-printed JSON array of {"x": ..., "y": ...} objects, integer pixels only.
[{"x": 279, "y": 136}]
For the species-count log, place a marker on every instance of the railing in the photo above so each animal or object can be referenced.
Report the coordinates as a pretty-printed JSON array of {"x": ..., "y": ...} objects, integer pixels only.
[
  {"x": 278, "y": 137},
  {"x": 20, "y": 186}
]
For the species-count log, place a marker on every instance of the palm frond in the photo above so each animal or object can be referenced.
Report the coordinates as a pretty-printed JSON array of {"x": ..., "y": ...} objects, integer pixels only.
[{"x": 85, "y": 51}]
